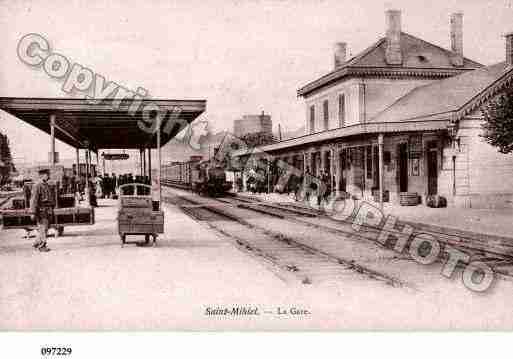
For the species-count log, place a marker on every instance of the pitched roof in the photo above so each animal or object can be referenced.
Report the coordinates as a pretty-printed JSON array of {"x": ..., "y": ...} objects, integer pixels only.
[
  {"x": 444, "y": 96},
  {"x": 412, "y": 48},
  {"x": 420, "y": 58}
]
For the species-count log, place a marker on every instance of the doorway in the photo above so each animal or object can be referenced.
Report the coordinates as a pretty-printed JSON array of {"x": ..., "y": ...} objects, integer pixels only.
[
  {"x": 432, "y": 167},
  {"x": 342, "y": 168},
  {"x": 316, "y": 164},
  {"x": 403, "y": 167}
]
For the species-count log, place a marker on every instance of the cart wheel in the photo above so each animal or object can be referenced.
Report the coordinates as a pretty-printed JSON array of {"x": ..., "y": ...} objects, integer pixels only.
[
  {"x": 60, "y": 231},
  {"x": 147, "y": 239}
]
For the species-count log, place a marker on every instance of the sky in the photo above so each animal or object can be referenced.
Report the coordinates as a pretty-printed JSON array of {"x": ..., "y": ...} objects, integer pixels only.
[{"x": 243, "y": 57}]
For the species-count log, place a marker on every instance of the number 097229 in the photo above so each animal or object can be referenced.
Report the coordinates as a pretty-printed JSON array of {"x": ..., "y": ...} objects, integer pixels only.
[{"x": 55, "y": 351}]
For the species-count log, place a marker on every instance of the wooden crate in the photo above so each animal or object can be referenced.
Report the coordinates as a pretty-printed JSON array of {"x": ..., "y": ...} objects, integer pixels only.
[
  {"x": 17, "y": 218},
  {"x": 140, "y": 222},
  {"x": 74, "y": 216},
  {"x": 143, "y": 202},
  {"x": 66, "y": 201},
  {"x": 20, "y": 218},
  {"x": 18, "y": 203},
  {"x": 408, "y": 198}
]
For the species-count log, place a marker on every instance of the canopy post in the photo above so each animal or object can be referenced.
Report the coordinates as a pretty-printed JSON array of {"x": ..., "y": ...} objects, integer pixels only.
[
  {"x": 77, "y": 173},
  {"x": 88, "y": 160},
  {"x": 159, "y": 157},
  {"x": 97, "y": 161},
  {"x": 381, "y": 174},
  {"x": 268, "y": 175},
  {"x": 149, "y": 163},
  {"x": 140, "y": 162},
  {"x": 143, "y": 151},
  {"x": 52, "y": 140},
  {"x": 332, "y": 170}
]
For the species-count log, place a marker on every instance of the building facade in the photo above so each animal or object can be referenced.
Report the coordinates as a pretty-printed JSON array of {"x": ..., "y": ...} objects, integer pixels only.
[
  {"x": 404, "y": 116},
  {"x": 253, "y": 124}
]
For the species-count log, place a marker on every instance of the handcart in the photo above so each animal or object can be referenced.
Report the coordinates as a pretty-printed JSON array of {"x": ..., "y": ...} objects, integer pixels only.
[{"x": 138, "y": 214}]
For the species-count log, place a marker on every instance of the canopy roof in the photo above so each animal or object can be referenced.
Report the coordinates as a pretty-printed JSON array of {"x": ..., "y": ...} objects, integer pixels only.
[{"x": 107, "y": 123}]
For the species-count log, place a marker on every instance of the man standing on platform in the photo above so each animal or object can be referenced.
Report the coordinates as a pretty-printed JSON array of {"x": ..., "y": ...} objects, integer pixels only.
[{"x": 42, "y": 203}]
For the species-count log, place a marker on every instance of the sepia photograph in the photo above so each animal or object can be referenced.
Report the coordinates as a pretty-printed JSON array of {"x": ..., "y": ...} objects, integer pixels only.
[{"x": 255, "y": 165}]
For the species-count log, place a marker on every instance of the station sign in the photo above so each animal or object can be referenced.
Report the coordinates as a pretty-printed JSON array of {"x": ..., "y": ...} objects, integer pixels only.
[{"x": 115, "y": 156}]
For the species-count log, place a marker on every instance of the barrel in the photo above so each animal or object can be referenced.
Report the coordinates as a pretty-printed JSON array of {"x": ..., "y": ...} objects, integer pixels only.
[
  {"x": 408, "y": 198},
  {"x": 436, "y": 201}
]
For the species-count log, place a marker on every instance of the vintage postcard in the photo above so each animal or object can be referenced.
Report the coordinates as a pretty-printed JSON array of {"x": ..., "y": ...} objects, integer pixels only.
[{"x": 256, "y": 165}]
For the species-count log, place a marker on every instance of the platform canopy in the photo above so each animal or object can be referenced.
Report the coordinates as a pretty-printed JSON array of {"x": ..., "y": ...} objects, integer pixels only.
[{"x": 106, "y": 124}]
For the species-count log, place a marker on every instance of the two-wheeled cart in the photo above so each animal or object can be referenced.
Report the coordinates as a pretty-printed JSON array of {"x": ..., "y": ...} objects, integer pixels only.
[{"x": 138, "y": 214}]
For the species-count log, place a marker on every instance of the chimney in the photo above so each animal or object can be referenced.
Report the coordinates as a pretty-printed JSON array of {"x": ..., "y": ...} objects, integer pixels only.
[
  {"x": 393, "y": 55},
  {"x": 339, "y": 54},
  {"x": 457, "y": 38},
  {"x": 509, "y": 49}
]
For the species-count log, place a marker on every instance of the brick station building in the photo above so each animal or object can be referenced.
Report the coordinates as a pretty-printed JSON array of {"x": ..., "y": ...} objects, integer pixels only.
[{"x": 404, "y": 115}]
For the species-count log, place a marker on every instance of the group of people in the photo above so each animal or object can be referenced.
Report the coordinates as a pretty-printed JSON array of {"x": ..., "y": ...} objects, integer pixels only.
[
  {"x": 257, "y": 183},
  {"x": 313, "y": 188},
  {"x": 42, "y": 196},
  {"x": 98, "y": 187},
  {"x": 105, "y": 186}
]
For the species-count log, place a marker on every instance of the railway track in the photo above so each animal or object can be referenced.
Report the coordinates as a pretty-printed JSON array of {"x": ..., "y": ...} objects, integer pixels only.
[
  {"x": 297, "y": 260},
  {"x": 493, "y": 250},
  {"x": 169, "y": 183}
]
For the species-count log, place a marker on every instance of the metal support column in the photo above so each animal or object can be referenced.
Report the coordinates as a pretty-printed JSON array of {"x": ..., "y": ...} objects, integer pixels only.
[
  {"x": 143, "y": 154},
  {"x": 336, "y": 159},
  {"x": 305, "y": 165},
  {"x": 149, "y": 163},
  {"x": 141, "y": 162},
  {"x": 52, "y": 140},
  {"x": 323, "y": 161},
  {"x": 268, "y": 176},
  {"x": 159, "y": 160},
  {"x": 381, "y": 172},
  {"x": 77, "y": 163},
  {"x": 332, "y": 170},
  {"x": 87, "y": 159},
  {"x": 97, "y": 161}
]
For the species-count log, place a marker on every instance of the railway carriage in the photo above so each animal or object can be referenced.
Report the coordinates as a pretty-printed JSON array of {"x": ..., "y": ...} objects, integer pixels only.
[{"x": 204, "y": 177}]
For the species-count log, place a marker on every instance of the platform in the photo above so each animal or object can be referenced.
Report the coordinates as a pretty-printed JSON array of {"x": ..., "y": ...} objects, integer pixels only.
[
  {"x": 493, "y": 222},
  {"x": 88, "y": 281}
]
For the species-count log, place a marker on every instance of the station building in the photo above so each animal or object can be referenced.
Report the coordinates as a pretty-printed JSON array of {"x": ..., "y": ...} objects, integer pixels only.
[{"x": 404, "y": 115}]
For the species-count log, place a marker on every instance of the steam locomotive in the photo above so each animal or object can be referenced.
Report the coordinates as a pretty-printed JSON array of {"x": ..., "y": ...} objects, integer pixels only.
[{"x": 203, "y": 177}]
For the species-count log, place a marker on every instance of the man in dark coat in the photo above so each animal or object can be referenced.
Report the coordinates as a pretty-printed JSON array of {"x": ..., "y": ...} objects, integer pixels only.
[{"x": 42, "y": 202}]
